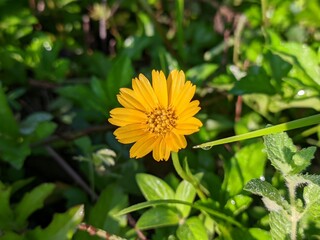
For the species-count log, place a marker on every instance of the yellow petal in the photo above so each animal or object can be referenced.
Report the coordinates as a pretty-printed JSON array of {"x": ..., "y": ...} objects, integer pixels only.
[
  {"x": 159, "y": 84},
  {"x": 180, "y": 140},
  {"x": 128, "y": 99},
  {"x": 156, "y": 153},
  {"x": 189, "y": 110},
  {"x": 143, "y": 88},
  {"x": 188, "y": 126},
  {"x": 124, "y": 116},
  {"x": 175, "y": 83},
  {"x": 184, "y": 96},
  {"x": 143, "y": 146},
  {"x": 130, "y": 133},
  {"x": 161, "y": 150}
]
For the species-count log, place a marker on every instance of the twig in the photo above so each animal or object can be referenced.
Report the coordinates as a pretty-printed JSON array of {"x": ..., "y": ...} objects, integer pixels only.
[
  {"x": 98, "y": 232},
  {"x": 132, "y": 223},
  {"x": 73, "y": 174},
  {"x": 69, "y": 136}
]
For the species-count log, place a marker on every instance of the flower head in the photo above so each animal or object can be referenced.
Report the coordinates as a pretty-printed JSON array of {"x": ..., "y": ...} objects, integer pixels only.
[{"x": 155, "y": 117}]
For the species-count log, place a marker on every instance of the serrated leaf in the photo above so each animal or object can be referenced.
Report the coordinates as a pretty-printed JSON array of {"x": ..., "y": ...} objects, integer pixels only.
[
  {"x": 154, "y": 188},
  {"x": 311, "y": 196},
  {"x": 267, "y": 191},
  {"x": 32, "y": 201},
  {"x": 280, "y": 150},
  {"x": 302, "y": 159},
  {"x": 280, "y": 226},
  {"x": 315, "y": 179},
  {"x": 185, "y": 192},
  {"x": 192, "y": 229},
  {"x": 61, "y": 227},
  {"x": 159, "y": 216}
]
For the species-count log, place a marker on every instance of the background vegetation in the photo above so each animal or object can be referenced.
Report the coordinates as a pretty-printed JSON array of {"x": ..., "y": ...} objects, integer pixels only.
[{"x": 62, "y": 63}]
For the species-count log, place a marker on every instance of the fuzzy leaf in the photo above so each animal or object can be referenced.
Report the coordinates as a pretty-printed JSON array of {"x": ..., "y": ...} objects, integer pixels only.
[
  {"x": 280, "y": 150},
  {"x": 159, "y": 216},
  {"x": 280, "y": 226},
  {"x": 271, "y": 196},
  {"x": 154, "y": 188},
  {"x": 302, "y": 159},
  {"x": 311, "y": 195},
  {"x": 192, "y": 229}
]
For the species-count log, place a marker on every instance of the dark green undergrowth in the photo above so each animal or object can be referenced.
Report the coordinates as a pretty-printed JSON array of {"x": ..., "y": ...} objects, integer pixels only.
[{"x": 62, "y": 63}]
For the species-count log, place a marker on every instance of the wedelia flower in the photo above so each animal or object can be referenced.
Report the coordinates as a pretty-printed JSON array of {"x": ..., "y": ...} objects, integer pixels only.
[{"x": 156, "y": 117}]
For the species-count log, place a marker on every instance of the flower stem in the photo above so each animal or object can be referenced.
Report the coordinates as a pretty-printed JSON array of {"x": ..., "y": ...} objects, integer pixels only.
[{"x": 185, "y": 176}]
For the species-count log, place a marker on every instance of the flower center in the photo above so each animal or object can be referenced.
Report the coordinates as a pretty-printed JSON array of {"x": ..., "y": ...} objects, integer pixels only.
[{"x": 160, "y": 120}]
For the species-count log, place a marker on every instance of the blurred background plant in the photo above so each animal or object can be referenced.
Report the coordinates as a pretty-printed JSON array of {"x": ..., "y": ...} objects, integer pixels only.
[{"x": 62, "y": 63}]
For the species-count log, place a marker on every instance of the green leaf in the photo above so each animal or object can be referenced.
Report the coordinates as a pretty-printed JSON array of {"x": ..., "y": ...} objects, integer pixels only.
[
  {"x": 13, "y": 147},
  {"x": 271, "y": 196},
  {"x": 32, "y": 201},
  {"x": 302, "y": 159},
  {"x": 159, "y": 216},
  {"x": 284, "y": 156},
  {"x": 6, "y": 212},
  {"x": 30, "y": 124},
  {"x": 280, "y": 150},
  {"x": 119, "y": 76},
  {"x": 8, "y": 126},
  {"x": 154, "y": 188},
  {"x": 280, "y": 226},
  {"x": 62, "y": 226},
  {"x": 186, "y": 192},
  {"x": 152, "y": 203},
  {"x": 192, "y": 229},
  {"x": 211, "y": 207},
  {"x": 11, "y": 236},
  {"x": 201, "y": 73},
  {"x": 247, "y": 163},
  {"x": 259, "y": 234},
  {"x": 296, "y": 54},
  {"x": 279, "y": 68},
  {"x": 256, "y": 81},
  {"x": 238, "y": 203},
  {"x": 311, "y": 196},
  {"x": 102, "y": 215}
]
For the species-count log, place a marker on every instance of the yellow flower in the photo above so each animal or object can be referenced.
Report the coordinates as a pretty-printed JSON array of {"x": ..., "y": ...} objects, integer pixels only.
[{"x": 156, "y": 117}]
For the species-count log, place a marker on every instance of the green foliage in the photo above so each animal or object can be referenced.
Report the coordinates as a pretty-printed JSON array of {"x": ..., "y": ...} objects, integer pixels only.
[
  {"x": 255, "y": 64},
  {"x": 289, "y": 218},
  {"x": 14, "y": 216}
]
